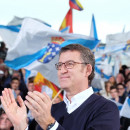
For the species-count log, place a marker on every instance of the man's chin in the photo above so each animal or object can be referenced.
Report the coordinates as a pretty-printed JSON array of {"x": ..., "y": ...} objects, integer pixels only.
[{"x": 64, "y": 86}]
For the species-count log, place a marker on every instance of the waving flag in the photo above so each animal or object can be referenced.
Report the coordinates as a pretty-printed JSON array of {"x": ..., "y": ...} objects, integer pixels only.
[
  {"x": 93, "y": 31},
  {"x": 67, "y": 22},
  {"x": 75, "y": 4},
  {"x": 37, "y": 47},
  {"x": 125, "y": 111},
  {"x": 40, "y": 82},
  {"x": 9, "y": 32},
  {"x": 18, "y": 21}
]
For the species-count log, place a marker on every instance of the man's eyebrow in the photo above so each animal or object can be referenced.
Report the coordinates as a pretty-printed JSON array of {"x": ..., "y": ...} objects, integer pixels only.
[{"x": 66, "y": 61}]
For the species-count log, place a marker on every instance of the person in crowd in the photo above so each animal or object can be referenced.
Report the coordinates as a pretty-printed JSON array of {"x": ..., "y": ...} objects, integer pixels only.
[
  {"x": 6, "y": 76},
  {"x": 22, "y": 86},
  {"x": 106, "y": 92},
  {"x": 120, "y": 78},
  {"x": 30, "y": 86},
  {"x": 14, "y": 85},
  {"x": 127, "y": 71},
  {"x": 127, "y": 84},
  {"x": 1, "y": 81},
  {"x": 81, "y": 108},
  {"x": 114, "y": 93},
  {"x": 5, "y": 123},
  {"x": 122, "y": 92},
  {"x": 127, "y": 77},
  {"x": 112, "y": 80},
  {"x": 124, "y": 70},
  {"x": 3, "y": 52}
]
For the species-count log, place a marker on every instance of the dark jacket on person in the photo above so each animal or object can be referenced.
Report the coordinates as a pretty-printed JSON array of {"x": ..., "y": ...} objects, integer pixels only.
[{"x": 96, "y": 113}]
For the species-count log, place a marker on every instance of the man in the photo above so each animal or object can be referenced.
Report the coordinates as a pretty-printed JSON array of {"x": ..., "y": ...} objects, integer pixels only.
[
  {"x": 114, "y": 93},
  {"x": 80, "y": 110},
  {"x": 5, "y": 123},
  {"x": 30, "y": 86},
  {"x": 122, "y": 92}
]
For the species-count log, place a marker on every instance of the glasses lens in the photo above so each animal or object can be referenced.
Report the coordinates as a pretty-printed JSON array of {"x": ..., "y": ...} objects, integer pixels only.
[
  {"x": 69, "y": 64},
  {"x": 58, "y": 66}
]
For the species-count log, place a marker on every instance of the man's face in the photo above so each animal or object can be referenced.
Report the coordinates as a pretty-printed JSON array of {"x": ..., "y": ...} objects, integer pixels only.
[
  {"x": 121, "y": 90},
  {"x": 31, "y": 87},
  {"x": 74, "y": 77},
  {"x": 5, "y": 123},
  {"x": 114, "y": 93},
  {"x": 15, "y": 84}
]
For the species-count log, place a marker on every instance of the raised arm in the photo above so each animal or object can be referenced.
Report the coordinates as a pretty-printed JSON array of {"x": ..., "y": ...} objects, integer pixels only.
[{"x": 16, "y": 114}]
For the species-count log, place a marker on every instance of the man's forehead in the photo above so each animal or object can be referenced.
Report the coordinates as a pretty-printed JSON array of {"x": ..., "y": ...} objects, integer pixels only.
[{"x": 69, "y": 55}]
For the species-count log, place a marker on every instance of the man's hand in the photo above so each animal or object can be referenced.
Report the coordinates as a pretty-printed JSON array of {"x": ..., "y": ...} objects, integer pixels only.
[
  {"x": 40, "y": 107},
  {"x": 16, "y": 114}
]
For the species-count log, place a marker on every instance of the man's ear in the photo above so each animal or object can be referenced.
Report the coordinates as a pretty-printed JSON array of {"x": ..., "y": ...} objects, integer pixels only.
[{"x": 88, "y": 69}]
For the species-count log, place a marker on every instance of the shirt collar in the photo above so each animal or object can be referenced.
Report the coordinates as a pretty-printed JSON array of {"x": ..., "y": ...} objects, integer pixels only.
[{"x": 77, "y": 100}]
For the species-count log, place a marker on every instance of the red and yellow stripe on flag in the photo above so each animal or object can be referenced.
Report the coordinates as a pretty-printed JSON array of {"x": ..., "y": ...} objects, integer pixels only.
[
  {"x": 75, "y": 4},
  {"x": 67, "y": 22},
  {"x": 40, "y": 80}
]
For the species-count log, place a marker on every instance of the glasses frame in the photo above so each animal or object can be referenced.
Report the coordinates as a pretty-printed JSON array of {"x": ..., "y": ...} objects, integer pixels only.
[{"x": 65, "y": 64}]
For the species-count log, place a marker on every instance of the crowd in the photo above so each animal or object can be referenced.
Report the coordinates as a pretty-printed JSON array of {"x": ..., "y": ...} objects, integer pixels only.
[{"x": 116, "y": 89}]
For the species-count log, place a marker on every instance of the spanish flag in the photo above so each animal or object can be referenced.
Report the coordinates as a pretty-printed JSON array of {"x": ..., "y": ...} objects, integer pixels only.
[
  {"x": 75, "y": 4},
  {"x": 67, "y": 22},
  {"x": 39, "y": 81}
]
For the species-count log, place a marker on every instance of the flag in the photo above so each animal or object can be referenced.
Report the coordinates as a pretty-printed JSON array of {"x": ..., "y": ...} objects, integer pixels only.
[
  {"x": 125, "y": 111},
  {"x": 37, "y": 47},
  {"x": 9, "y": 32},
  {"x": 18, "y": 21},
  {"x": 40, "y": 82},
  {"x": 75, "y": 4},
  {"x": 93, "y": 30},
  {"x": 65, "y": 30},
  {"x": 67, "y": 21}
]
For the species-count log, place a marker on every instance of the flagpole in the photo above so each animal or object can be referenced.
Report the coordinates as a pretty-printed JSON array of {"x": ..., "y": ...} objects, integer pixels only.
[{"x": 57, "y": 95}]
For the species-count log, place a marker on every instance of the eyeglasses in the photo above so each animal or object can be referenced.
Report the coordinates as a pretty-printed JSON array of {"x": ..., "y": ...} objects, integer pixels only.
[
  {"x": 120, "y": 88},
  {"x": 67, "y": 64}
]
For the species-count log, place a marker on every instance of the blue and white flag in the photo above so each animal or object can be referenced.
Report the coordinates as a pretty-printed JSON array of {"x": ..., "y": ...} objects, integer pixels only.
[
  {"x": 93, "y": 31},
  {"x": 125, "y": 111},
  {"x": 9, "y": 32},
  {"x": 37, "y": 46}
]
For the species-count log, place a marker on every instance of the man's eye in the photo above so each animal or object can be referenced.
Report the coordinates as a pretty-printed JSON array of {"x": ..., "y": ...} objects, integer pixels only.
[
  {"x": 59, "y": 65},
  {"x": 70, "y": 63}
]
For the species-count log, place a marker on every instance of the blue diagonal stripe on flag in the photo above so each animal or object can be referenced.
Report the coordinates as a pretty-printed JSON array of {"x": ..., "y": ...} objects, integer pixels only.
[{"x": 52, "y": 50}]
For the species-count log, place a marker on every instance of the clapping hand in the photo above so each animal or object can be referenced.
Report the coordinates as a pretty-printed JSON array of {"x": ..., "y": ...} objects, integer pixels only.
[{"x": 16, "y": 114}]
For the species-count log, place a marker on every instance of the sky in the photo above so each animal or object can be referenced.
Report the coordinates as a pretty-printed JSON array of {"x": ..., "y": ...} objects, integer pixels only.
[{"x": 111, "y": 16}]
